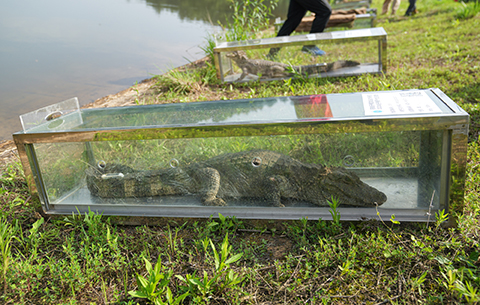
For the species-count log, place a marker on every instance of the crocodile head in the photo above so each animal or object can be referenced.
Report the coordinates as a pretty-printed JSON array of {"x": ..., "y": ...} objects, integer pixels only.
[
  {"x": 237, "y": 55},
  {"x": 347, "y": 187}
]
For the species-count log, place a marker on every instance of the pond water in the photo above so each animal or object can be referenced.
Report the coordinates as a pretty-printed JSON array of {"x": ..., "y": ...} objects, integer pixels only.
[{"x": 53, "y": 50}]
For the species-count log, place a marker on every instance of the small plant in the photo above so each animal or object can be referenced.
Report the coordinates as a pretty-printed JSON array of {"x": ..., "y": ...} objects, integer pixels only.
[
  {"x": 172, "y": 243},
  {"x": 298, "y": 75},
  {"x": 6, "y": 236},
  {"x": 417, "y": 283},
  {"x": 223, "y": 276},
  {"x": 334, "y": 210},
  {"x": 31, "y": 243},
  {"x": 224, "y": 226},
  {"x": 468, "y": 10},
  {"x": 229, "y": 223},
  {"x": 468, "y": 291},
  {"x": 346, "y": 268},
  {"x": 208, "y": 48},
  {"x": 454, "y": 281},
  {"x": 249, "y": 18},
  {"x": 137, "y": 93},
  {"x": 155, "y": 286},
  {"x": 440, "y": 217},
  {"x": 392, "y": 219}
]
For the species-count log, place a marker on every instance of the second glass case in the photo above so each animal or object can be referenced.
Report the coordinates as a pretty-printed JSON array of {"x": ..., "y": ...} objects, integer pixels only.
[{"x": 348, "y": 53}]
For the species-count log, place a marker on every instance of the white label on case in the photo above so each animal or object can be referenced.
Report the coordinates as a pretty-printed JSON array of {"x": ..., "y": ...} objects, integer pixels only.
[{"x": 397, "y": 103}]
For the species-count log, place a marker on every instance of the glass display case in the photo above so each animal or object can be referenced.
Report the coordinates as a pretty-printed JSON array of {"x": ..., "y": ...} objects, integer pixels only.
[
  {"x": 391, "y": 152},
  {"x": 348, "y": 53}
]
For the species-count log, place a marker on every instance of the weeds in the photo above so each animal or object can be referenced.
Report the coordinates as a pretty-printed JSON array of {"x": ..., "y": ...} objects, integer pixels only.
[
  {"x": 155, "y": 286},
  {"x": 6, "y": 236},
  {"x": 249, "y": 18},
  {"x": 224, "y": 226},
  {"x": 440, "y": 217},
  {"x": 468, "y": 10},
  {"x": 32, "y": 242},
  {"x": 222, "y": 278},
  {"x": 334, "y": 210}
]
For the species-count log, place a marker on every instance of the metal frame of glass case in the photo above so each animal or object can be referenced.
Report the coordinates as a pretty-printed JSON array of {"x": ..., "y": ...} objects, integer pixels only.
[
  {"x": 368, "y": 20},
  {"x": 62, "y": 143},
  {"x": 342, "y": 4},
  {"x": 373, "y": 40}
]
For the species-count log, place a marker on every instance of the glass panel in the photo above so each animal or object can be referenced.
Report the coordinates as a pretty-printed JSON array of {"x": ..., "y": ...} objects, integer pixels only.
[
  {"x": 365, "y": 21},
  {"x": 351, "y": 58},
  {"x": 53, "y": 117},
  {"x": 364, "y": 34},
  {"x": 255, "y": 111},
  {"x": 361, "y": 21},
  {"x": 62, "y": 166},
  {"x": 358, "y": 169},
  {"x": 264, "y": 110}
]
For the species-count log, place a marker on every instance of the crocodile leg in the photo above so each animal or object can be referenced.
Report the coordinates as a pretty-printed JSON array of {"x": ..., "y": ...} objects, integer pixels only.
[
  {"x": 244, "y": 74},
  {"x": 209, "y": 179},
  {"x": 278, "y": 187}
]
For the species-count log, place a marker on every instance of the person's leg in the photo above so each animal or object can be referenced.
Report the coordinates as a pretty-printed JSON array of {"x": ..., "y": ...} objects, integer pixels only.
[
  {"x": 414, "y": 11},
  {"x": 385, "y": 5},
  {"x": 295, "y": 14},
  {"x": 411, "y": 8},
  {"x": 322, "y": 10},
  {"x": 395, "y": 6}
]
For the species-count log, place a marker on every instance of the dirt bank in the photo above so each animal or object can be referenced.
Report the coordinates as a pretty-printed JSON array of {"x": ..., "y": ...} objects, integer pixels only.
[{"x": 127, "y": 97}]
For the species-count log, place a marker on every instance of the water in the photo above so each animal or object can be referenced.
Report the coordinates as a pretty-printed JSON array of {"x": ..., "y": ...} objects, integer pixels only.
[{"x": 53, "y": 50}]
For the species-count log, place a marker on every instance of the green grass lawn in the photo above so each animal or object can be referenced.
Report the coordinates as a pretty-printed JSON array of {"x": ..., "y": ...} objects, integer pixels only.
[{"x": 90, "y": 259}]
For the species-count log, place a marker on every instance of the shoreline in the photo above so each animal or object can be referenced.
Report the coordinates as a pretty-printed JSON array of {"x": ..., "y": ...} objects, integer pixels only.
[{"x": 126, "y": 97}]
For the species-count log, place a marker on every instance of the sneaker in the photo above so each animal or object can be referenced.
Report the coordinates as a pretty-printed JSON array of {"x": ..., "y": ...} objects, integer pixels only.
[
  {"x": 412, "y": 13},
  {"x": 314, "y": 50}
]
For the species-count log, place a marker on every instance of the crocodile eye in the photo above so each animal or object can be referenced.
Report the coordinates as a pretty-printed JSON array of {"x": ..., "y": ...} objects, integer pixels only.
[
  {"x": 174, "y": 163},
  {"x": 256, "y": 162},
  {"x": 348, "y": 161},
  {"x": 101, "y": 164}
]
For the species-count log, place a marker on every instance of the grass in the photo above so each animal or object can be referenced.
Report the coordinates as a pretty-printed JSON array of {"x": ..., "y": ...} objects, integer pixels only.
[{"x": 92, "y": 259}]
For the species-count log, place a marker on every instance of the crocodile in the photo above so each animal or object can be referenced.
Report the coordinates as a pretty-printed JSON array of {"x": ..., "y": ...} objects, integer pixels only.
[
  {"x": 272, "y": 69},
  {"x": 261, "y": 174}
]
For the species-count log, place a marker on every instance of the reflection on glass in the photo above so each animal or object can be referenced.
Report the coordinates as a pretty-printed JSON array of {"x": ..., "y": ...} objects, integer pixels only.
[{"x": 387, "y": 169}]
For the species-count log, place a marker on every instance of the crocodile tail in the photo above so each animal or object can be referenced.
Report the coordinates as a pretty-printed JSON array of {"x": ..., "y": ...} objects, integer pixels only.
[
  {"x": 311, "y": 69},
  {"x": 341, "y": 64}
]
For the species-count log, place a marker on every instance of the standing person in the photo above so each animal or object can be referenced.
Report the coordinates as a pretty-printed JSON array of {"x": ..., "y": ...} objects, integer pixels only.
[
  {"x": 395, "y": 6},
  {"x": 412, "y": 8},
  {"x": 296, "y": 11}
]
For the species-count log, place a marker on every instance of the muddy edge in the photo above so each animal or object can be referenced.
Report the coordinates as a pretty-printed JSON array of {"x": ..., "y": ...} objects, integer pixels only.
[{"x": 127, "y": 97}]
